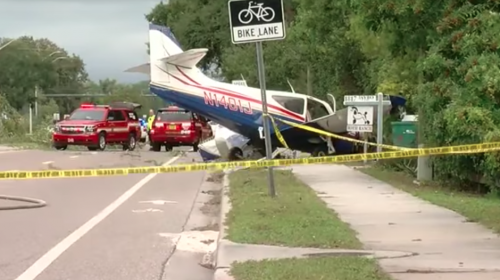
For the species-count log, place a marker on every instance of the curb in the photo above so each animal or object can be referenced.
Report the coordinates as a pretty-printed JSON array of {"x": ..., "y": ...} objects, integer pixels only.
[{"x": 222, "y": 273}]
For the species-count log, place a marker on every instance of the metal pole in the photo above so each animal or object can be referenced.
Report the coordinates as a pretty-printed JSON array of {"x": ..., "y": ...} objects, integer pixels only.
[
  {"x": 265, "y": 117},
  {"x": 380, "y": 121},
  {"x": 36, "y": 101},
  {"x": 31, "y": 120},
  {"x": 365, "y": 147}
]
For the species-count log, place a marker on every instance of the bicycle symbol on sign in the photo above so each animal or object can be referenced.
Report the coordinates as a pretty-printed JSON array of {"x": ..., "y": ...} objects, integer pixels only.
[{"x": 263, "y": 13}]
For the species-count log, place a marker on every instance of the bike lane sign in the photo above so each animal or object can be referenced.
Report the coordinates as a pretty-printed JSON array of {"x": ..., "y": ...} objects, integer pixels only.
[{"x": 256, "y": 21}]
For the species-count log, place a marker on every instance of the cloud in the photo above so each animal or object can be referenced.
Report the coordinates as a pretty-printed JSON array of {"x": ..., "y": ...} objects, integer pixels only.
[{"x": 109, "y": 35}]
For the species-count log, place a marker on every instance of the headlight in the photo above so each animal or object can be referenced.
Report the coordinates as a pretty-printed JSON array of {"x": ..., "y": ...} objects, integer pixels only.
[
  {"x": 57, "y": 128},
  {"x": 90, "y": 128}
]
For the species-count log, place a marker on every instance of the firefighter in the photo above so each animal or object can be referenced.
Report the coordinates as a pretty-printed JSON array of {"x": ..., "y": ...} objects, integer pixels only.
[{"x": 151, "y": 119}]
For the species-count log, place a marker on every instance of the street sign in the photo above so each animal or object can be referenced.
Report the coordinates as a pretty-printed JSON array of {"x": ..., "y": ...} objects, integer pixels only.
[
  {"x": 360, "y": 118},
  {"x": 360, "y": 98},
  {"x": 360, "y": 102},
  {"x": 256, "y": 21}
]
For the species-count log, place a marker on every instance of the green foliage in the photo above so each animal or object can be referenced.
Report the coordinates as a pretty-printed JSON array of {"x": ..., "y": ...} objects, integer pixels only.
[
  {"x": 29, "y": 65},
  {"x": 443, "y": 56}
]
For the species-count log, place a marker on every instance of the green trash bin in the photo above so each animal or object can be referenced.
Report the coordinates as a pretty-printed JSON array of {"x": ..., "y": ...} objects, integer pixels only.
[{"x": 404, "y": 134}]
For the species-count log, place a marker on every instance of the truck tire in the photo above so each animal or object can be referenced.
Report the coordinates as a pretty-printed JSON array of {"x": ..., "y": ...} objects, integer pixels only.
[
  {"x": 195, "y": 147},
  {"x": 101, "y": 142},
  {"x": 131, "y": 143},
  {"x": 155, "y": 146},
  {"x": 60, "y": 147}
]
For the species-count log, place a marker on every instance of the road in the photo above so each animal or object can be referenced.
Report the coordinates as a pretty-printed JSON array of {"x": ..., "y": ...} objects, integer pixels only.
[{"x": 104, "y": 228}]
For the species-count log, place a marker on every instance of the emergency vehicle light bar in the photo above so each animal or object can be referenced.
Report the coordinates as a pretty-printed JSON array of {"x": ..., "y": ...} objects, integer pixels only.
[{"x": 89, "y": 105}]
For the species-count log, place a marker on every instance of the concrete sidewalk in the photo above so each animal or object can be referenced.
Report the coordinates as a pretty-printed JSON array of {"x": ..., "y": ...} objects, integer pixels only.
[{"x": 446, "y": 245}]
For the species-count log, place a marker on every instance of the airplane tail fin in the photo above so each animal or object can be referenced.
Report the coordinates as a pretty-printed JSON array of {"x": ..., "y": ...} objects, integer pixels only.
[{"x": 166, "y": 55}]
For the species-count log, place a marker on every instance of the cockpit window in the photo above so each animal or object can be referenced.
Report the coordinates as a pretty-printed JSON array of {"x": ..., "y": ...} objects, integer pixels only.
[
  {"x": 316, "y": 109},
  {"x": 87, "y": 115},
  {"x": 293, "y": 104}
]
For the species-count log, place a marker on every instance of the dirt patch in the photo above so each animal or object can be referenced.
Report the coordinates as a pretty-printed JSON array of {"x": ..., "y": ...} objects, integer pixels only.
[
  {"x": 210, "y": 227},
  {"x": 212, "y": 207},
  {"x": 216, "y": 177}
]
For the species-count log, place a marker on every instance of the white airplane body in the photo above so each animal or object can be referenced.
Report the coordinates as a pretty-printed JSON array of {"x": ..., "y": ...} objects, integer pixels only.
[{"x": 175, "y": 78}]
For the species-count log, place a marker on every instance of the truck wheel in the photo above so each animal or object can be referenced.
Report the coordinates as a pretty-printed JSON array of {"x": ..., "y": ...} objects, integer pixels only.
[
  {"x": 155, "y": 146},
  {"x": 102, "y": 141},
  {"x": 60, "y": 147},
  {"x": 131, "y": 143},
  {"x": 168, "y": 148},
  {"x": 195, "y": 146}
]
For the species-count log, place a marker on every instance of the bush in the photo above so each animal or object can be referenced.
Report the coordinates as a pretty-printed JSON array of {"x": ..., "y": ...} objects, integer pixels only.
[{"x": 14, "y": 127}]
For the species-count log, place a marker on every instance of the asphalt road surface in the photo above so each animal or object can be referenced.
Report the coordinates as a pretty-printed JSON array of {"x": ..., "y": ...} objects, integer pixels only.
[{"x": 104, "y": 228}]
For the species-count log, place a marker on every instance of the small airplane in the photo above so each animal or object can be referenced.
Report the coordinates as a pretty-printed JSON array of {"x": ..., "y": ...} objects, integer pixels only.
[{"x": 175, "y": 78}]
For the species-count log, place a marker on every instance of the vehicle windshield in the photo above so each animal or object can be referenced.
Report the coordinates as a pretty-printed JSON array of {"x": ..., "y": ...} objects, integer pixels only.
[
  {"x": 87, "y": 115},
  {"x": 173, "y": 116}
]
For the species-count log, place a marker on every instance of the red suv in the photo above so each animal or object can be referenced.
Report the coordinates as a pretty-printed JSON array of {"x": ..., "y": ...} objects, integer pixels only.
[
  {"x": 95, "y": 126},
  {"x": 174, "y": 126}
]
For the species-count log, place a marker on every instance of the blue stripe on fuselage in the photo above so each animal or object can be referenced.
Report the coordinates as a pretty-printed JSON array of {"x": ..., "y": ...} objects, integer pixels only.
[{"x": 245, "y": 124}]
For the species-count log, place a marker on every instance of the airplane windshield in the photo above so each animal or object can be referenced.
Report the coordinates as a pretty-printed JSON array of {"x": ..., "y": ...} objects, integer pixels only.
[
  {"x": 87, "y": 115},
  {"x": 316, "y": 109},
  {"x": 173, "y": 116},
  {"x": 294, "y": 104}
]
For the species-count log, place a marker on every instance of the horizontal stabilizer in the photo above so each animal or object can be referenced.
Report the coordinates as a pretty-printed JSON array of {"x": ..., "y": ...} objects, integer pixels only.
[
  {"x": 144, "y": 69},
  {"x": 187, "y": 59}
]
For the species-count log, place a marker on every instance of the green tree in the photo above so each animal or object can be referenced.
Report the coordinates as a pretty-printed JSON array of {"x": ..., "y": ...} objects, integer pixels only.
[{"x": 28, "y": 65}]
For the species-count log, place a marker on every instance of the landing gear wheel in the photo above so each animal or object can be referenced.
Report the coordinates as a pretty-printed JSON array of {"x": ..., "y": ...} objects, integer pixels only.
[
  {"x": 168, "y": 148},
  {"x": 131, "y": 143},
  {"x": 235, "y": 154},
  {"x": 60, "y": 147},
  {"x": 102, "y": 141},
  {"x": 320, "y": 151},
  {"x": 155, "y": 146}
]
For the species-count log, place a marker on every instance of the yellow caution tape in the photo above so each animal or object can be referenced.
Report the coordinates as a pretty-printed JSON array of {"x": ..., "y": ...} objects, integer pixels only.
[
  {"x": 463, "y": 149},
  {"x": 322, "y": 132},
  {"x": 278, "y": 133}
]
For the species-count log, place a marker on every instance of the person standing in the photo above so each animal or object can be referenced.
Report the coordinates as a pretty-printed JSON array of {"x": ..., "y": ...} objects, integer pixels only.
[{"x": 151, "y": 119}]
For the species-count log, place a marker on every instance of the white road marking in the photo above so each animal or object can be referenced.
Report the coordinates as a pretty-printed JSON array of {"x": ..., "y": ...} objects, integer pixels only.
[
  {"x": 42, "y": 263},
  {"x": 73, "y": 156},
  {"x": 159, "y": 202},
  {"x": 147, "y": 210},
  {"x": 47, "y": 162}
]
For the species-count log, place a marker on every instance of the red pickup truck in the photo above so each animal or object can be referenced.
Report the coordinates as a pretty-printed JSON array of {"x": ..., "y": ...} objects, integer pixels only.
[{"x": 174, "y": 126}]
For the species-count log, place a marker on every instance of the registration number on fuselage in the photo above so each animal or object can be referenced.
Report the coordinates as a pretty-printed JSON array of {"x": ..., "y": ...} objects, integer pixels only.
[{"x": 226, "y": 102}]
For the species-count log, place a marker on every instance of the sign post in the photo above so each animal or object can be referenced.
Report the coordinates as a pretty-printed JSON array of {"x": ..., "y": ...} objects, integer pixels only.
[
  {"x": 360, "y": 115},
  {"x": 255, "y": 22}
]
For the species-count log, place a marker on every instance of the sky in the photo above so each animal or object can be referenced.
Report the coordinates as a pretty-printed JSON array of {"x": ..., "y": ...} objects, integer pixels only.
[{"x": 109, "y": 35}]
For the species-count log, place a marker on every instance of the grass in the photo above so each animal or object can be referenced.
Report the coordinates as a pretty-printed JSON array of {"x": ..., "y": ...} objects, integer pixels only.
[
  {"x": 335, "y": 268},
  {"x": 295, "y": 218},
  {"x": 480, "y": 209}
]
